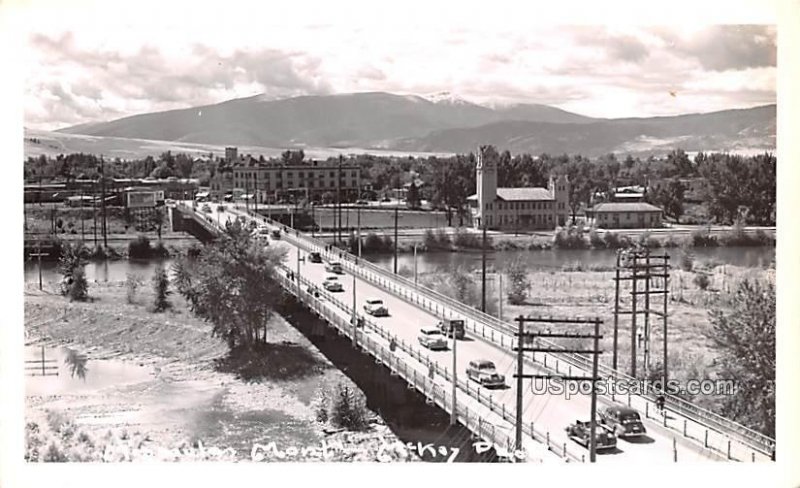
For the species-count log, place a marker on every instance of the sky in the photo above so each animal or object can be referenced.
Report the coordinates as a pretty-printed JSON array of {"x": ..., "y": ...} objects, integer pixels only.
[{"x": 97, "y": 61}]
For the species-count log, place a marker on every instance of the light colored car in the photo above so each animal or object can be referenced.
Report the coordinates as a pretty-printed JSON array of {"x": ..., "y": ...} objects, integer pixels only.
[
  {"x": 375, "y": 307},
  {"x": 432, "y": 338},
  {"x": 332, "y": 283},
  {"x": 334, "y": 267},
  {"x": 484, "y": 372}
]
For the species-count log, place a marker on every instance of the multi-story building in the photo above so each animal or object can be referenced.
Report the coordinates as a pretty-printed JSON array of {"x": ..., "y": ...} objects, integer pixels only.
[
  {"x": 275, "y": 182},
  {"x": 516, "y": 208}
]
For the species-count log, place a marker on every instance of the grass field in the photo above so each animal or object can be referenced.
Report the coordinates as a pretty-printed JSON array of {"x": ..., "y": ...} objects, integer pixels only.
[{"x": 374, "y": 218}]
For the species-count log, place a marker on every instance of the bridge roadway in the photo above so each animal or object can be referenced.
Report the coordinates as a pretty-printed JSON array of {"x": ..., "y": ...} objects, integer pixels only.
[{"x": 548, "y": 414}]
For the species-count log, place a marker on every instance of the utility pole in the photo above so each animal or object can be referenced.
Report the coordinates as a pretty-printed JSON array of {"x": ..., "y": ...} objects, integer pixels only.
[
  {"x": 483, "y": 270},
  {"x": 595, "y": 351},
  {"x": 359, "y": 231},
  {"x": 633, "y": 312},
  {"x": 647, "y": 315},
  {"x": 396, "y": 213},
  {"x": 103, "y": 202},
  {"x": 593, "y": 414},
  {"x": 39, "y": 255},
  {"x": 94, "y": 214},
  {"x": 298, "y": 271},
  {"x": 616, "y": 312},
  {"x": 454, "y": 413},
  {"x": 518, "y": 429},
  {"x": 82, "y": 217},
  {"x": 355, "y": 315},
  {"x": 338, "y": 211},
  {"x": 664, "y": 316}
]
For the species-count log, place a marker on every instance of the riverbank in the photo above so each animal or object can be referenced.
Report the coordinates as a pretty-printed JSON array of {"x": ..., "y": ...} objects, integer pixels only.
[
  {"x": 467, "y": 239},
  {"x": 185, "y": 406}
]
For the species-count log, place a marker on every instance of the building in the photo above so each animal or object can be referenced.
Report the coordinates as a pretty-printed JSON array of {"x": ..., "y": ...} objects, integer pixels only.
[
  {"x": 624, "y": 215},
  {"x": 231, "y": 154},
  {"x": 270, "y": 182},
  {"x": 221, "y": 183},
  {"x": 516, "y": 208}
]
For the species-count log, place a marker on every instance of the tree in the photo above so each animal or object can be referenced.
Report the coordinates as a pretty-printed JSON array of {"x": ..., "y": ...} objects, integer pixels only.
[
  {"x": 518, "y": 282},
  {"x": 669, "y": 197},
  {"x": 745, "y": 337},
  {"x": 412, "y": 198},
  {"x": 161, "y": 289},
  {"x": 70, "y": 266},
  {"x": 233, "y": 285}
]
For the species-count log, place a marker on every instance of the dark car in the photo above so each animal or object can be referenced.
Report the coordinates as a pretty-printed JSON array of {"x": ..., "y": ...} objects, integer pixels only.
[
  {"x": 450, "y": 326},
  {"x": 623, "y": 421},
  {"x": 580, "y": 432},
  {"x": 315, "y": 257},
  {"x": 276, "y": 234}
]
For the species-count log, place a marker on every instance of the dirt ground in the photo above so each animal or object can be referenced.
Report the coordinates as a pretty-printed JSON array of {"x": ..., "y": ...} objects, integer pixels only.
[{"x": 184, "y": 409}]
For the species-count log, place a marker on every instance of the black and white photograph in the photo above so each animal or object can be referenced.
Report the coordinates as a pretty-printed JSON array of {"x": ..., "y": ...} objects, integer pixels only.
[{"x": 259, "y": 234}]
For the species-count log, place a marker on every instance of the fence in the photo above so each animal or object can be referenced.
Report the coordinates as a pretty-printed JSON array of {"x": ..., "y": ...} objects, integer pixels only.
[{"x": 717, "y": 431}]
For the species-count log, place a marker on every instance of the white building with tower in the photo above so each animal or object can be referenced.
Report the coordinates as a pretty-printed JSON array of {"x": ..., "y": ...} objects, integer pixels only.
[{"x": 516, "y": 208}]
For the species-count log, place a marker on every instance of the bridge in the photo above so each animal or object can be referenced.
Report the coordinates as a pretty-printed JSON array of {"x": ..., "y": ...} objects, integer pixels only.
[{"x": 685, "y": 433}]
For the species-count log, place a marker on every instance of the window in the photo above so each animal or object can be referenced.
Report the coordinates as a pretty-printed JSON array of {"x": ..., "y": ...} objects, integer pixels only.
[{"x": 332, "y": 174}]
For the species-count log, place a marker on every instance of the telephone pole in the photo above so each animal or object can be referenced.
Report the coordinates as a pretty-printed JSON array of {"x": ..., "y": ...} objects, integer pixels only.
[
  {"x": 359, "y": 231},
  {"x": 454, "y": 412},
  {"x": 523, "y": 336},
  {"x": 103, "y": 202},
  {"x": 396, "y": 212},
  {"x": 338, "y": 207},
  {"x": 483, "y": 270}
]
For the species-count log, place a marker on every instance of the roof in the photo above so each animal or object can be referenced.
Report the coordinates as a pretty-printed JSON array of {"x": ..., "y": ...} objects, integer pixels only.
[
  {"x": 624, "y": 207},
  {"x": 521, "y": 194}
]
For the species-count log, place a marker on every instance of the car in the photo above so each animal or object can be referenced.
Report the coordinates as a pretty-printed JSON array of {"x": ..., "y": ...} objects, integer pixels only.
[
  {"x": 375, "y": 307},
  {"x": 276, "y": 234},
  {"x": 205, "y": 208},
  {"x": 332, "y": 284},
  {"x": 361, "y": 202},
  {"x": 623, "y": 421},
  {"x": 484, "y": 372},
  {"x": 580, "y": 432},
  {"x": 315, "y": 257},
  {"x": 334, "y": 267},
  {"x": 432, "y": 338},
  {"x": 448, "y": 326}
]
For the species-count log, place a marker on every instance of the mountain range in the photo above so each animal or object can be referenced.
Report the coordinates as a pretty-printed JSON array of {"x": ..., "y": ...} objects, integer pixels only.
[{"x": 440, "y": 123}]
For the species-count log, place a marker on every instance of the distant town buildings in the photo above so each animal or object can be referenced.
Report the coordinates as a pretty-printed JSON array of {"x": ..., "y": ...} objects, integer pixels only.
[
  {"x": 516, "y": 208},
  {"x": 268, "y": 182}
]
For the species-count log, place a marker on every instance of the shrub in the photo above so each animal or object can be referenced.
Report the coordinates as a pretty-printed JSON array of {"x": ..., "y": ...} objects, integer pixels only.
[
  {"x": 140, "y": 248},
  {"x": 430, "y": 239},
  {"x": 54, "y": 454},
  {"x": 161, "y": 289},
  {"x": 194, "y": 251},
  {"x": 686, "y": 258},
  {"x": 348, "y": 409},
  {"x": 702, "y": 281},
  {"x": 159, "y": 251},
  {"x": 702, "y": 238},
  {"x": 469, "y": 240},
  {"x": 132, "y": 283},
  {"x": 519, "y": 284},
  {"x": 570, "y": 237},
  {"x": 79, "y": 288},
  {"x": 615, "y": 241},
  {"x": 388, "y": 244},
  {"x": 595, "y": 240},
  {"x": 443, "y": 238}
]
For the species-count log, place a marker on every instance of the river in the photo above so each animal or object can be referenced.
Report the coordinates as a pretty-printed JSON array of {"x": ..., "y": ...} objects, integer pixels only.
[{"x": 427, "y": 262}]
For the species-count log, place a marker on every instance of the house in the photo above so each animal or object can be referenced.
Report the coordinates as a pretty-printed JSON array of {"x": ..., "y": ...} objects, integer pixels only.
[
  {"x": 516, "y": 208},
  {"x": 624, "y": 215}
]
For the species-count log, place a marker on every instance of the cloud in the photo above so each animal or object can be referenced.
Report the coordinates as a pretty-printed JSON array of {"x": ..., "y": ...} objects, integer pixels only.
[
  {"x": 734, "y": 47},
  {"x": 94, "y": 79}
]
